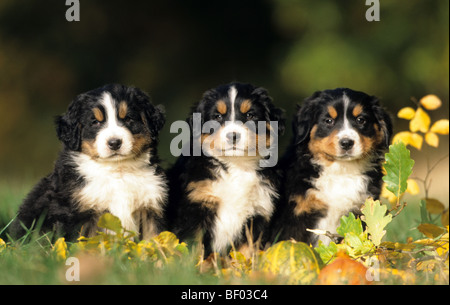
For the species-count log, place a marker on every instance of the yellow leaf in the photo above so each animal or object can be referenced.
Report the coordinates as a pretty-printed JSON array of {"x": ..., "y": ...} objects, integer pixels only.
[
  {"x": 420, "y": 122},
  {"x": 416, "y": 140},
  {"x": 430, "y": 230},
  {"x": 406, "y": 113},
  {"x": 404, "y": 136},
  {"x": 385, "y": 193},
  {"x": 430, "y": 102},
  {"x": 432, "y": 139},
  {"x": 60, "y": 248},
  {"x": 413, "y": 187},
  {"x": 444, "y": 219},
  {"x": 440, "y": 127},
  {"x": 434, "y": 206},
  {"x": 409, "y": 138}
]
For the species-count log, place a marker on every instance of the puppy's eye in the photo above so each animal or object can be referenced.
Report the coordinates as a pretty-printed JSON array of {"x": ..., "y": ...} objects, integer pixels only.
[
  {"x": 129, "y": 120},
  {"x": 95, "y": 123},
  {"x": 250, "y": 116},
  {"x": 218, "y": 116},
  {"x": 360, "y": 120},
  {"x": 329, "y": 121}
]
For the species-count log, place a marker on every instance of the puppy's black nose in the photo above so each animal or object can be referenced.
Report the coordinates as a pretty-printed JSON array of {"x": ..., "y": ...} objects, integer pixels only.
[
  {"x": 233, "y": 137},
  {"x": 114, "y": 144},
  {"x": 346, "y": 144}
]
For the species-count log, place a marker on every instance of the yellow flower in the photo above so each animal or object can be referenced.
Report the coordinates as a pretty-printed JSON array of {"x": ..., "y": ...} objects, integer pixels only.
[
  {"x": 406, "y": 113},
  {"x": 420, "y": 122},
  {"x": 440, "y": 127},
  {"x": 2, "y": 245},
  {"x": 60, "y": 248},
  {"x": 430, "y": 102}
]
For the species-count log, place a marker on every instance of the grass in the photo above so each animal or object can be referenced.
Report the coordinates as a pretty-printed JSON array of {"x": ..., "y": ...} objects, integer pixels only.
[{"x": 32, "y": 260}]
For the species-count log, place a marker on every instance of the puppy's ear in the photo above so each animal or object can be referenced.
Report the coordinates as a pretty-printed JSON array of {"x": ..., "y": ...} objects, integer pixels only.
[
  {"x": 68, "y": 126},
  {"x": 277, "y": 114},
  {"x": 305, "y": 118},
  {"x": 272, "y": 113},
  {"x": 156, "y": 120},
  {"x": 384, "y": 121},
  {"x": 209, "y": 95}
]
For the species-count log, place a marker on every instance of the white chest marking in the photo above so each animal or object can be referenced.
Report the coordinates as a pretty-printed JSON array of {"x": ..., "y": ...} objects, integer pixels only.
[
  {"x": 343, "y": 187},
  {"x": 120, "y": 188},
  {"x": 243, "y": 195}
]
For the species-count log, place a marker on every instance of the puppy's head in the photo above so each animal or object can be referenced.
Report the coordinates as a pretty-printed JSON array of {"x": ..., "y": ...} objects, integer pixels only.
[
  {"x": 111, "y": 123},
  {"x": 342, "y": 124},
  {"x": 235, "y": 118}
]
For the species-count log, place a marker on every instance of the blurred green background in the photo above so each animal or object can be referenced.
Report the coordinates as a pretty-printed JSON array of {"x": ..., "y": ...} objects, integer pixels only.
[{"x": 176, "y": 49}]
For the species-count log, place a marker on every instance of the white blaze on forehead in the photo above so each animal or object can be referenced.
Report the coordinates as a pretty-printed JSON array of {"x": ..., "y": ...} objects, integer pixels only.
[
  {"x": 347, "y": 130},
  {"x": 112, "y": 130},
  {"x": 232, "y": 93}
]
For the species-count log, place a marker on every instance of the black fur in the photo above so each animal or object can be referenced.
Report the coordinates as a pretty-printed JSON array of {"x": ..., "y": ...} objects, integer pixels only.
[
  {"x": 51, "y": 200},
  {"x": 187, "y": 217},
  {"x": 300, "y": 172}
]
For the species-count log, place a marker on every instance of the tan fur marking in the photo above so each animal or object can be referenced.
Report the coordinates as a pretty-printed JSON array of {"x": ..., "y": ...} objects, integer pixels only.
[
  {"x": 323, "y": 148},
  {"x": 202, "y": 192},
  {"x": 357, "y": 110},
  {"x": 368, "y": 144},
  {"x": 208, "y": 140},
  {"x": 307, "y": 204},
  {"x": 221, "y": 107},
  {"x": 332, "y": 112},
  {"x": 379, "y": 134},
  {"x": 245, "y": 106},
  {"x": 98, "y": 114},
  {"x": 123, "y": 108},
  {"x": 140, "y": 143},
  {"x": 88, "y": 147}
]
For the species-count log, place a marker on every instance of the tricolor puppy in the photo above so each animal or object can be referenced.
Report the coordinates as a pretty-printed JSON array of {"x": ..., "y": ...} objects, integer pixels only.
[
  {"x": 108, "y": 163},
  {"x": 226, "y": 195},
  {"x": 334, "y": 162}
]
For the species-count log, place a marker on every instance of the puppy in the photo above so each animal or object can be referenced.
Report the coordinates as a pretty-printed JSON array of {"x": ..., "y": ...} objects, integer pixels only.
[
  {"x": 108, "y": 163},
  {"x": 227, "y": 193},
  {"x": 333, "y": 164}
]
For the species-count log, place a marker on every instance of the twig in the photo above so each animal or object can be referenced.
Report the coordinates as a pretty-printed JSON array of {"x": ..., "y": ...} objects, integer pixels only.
[
  {"x": 401, "y": 206},
  {"x": 334, "y": 237}
]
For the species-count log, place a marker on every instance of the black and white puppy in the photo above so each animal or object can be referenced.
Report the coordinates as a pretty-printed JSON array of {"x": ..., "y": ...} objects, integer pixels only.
[
  {"x": 227, "y": 195},
  {"x": 108, "y": 163},
  {"x": 334, "y": 162}
]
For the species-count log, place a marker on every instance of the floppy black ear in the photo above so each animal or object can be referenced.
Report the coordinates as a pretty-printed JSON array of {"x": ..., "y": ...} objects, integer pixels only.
[
  {"x": 384, "y": 121},
  {"x": 305, "y": 118},
  {"x": 68, "y": 126},
  {"x": 155, "y": 119},
  {"x": 273, "y": 113},
  {"x": 209, "y": 95}
]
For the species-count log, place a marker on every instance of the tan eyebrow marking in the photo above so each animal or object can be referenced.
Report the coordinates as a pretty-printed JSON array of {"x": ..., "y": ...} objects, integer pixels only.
[
  {"x": 357, "y": 110},
  {"x": 98, "y": 114},
  {"x": 123, "y": 109},
  {"x": 332, "y": 112},
  {"x": 221, "y": 107},
  {"x": 245, "y": 106}
]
